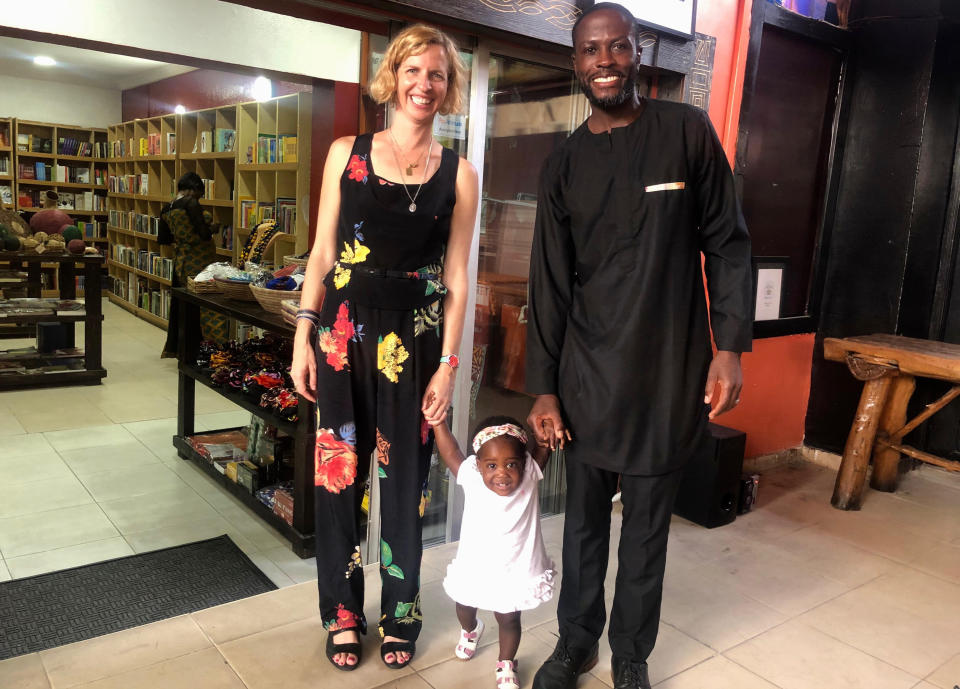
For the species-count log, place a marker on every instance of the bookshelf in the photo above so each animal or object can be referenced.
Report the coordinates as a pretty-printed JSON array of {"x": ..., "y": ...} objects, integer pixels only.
[
  {"x": 273, "y": 171},
  {"x": 148, "y": 156},
  {"x": 68, "y": 159},
  {"x": 141, "y": 177},
  {"x": 8, "y": 189}
]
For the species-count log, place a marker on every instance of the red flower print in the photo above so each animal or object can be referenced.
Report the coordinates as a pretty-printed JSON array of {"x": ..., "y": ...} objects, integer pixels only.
[
  {"x": 358, "y": 169},
  {"x": 383, "y": 449},
  {"x": 333, "y": 341},
  {"x": 335, "y": 462},
  {"x": 343, "y": 325},
  {"x": 345, "y": 620}
]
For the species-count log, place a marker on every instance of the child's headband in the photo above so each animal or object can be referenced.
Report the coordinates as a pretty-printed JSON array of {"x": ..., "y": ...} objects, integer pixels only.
[{"x": 491, "y": 432}]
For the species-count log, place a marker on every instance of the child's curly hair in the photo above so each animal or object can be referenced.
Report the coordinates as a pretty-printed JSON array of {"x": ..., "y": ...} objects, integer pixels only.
[{"x": 499, "y": 421}]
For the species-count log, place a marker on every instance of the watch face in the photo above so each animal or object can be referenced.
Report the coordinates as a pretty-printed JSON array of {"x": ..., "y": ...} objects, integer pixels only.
[{"x": 454, "y": 360}]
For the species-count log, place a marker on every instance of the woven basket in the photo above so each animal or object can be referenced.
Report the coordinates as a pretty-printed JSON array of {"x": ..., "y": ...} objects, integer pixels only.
[
  {"x": 294, "y": 261},
  {"x": 270, "y": 298},
  {"x": 235, "y": 290},
  {"x": 202, "y": 287}
]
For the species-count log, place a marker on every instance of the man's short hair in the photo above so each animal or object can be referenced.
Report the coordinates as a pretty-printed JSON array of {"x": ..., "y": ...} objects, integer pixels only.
[{"x": 623, "y": 11}]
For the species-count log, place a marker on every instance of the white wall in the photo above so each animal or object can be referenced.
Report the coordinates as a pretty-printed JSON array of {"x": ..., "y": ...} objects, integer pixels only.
[
  {"x": 52, "y": 101},
  {"x": 208, "y": 29}
]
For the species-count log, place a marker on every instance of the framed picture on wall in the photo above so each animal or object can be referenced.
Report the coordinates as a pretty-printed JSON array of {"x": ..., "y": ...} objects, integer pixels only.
[
  {"x": 768, "y": 280},
  {"x": 674, "y": 16}
]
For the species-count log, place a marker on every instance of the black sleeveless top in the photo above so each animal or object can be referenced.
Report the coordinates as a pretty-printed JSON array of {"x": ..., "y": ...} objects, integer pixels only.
[{"x": 388, "y": 256}]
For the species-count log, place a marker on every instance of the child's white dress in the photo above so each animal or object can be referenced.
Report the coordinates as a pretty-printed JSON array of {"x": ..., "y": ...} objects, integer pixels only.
[{"x": 501, "y": 564}]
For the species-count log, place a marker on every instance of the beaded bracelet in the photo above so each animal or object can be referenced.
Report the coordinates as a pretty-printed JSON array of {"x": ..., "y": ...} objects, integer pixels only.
[{"x": 309, "y": 315}]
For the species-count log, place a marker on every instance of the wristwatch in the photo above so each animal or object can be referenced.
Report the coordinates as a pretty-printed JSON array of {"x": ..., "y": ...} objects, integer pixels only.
[{"x": 451, "y": 360}]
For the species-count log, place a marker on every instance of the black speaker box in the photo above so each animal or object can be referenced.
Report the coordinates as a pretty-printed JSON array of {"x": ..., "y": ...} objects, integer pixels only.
[{"x": 709, "y": 489}]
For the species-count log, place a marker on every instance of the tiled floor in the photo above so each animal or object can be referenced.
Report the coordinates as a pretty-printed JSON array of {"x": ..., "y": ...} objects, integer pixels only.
[{"x": 794, "y": 595}]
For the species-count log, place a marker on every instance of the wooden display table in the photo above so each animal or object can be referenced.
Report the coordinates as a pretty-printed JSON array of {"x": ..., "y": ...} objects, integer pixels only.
[
  {"x": 888, "y": 365},
  {"x": 301, "y": 532},
  {"x": 92, "y": 316}
]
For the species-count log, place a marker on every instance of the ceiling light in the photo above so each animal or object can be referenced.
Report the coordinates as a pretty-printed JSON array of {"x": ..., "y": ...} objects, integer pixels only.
[
  {"x": 44, "y": 61},
  {"x": 179, "y": 109},
  {"x": 262, "y": 88}
]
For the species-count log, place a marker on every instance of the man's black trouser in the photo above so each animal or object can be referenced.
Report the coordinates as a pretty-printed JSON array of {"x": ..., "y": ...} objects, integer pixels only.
[{"x": 635, "y": 614}]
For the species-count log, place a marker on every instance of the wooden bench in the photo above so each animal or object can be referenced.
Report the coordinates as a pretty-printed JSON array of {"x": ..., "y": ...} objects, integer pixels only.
[{"x": 888, "y": 365}]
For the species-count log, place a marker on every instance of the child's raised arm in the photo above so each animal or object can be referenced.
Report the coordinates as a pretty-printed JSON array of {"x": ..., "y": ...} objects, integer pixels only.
[{"x": 448, "y": 448}]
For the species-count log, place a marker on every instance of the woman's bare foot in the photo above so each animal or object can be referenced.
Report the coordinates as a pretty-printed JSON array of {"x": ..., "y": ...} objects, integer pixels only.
[
  {"x": 401, "y": 658},
  {"x": 345, "y": 637}
]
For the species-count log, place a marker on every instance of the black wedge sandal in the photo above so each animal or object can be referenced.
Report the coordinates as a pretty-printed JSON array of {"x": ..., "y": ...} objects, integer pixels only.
[
  {"x": 396, "y": 647},
  {"x": 333, "y": 649}
]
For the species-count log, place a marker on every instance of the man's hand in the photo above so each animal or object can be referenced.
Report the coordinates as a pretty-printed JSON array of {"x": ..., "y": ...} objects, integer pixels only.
[
  {"x": 547, "y": 422},
  {"x": 724, "y": 383}
]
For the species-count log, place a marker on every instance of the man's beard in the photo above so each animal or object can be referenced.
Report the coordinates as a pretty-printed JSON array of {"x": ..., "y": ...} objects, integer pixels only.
[{"x": 625, "y": 94}]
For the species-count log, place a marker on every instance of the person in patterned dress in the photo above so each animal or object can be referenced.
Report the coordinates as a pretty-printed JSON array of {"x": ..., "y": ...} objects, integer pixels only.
[{"x": 380, "y": 325}]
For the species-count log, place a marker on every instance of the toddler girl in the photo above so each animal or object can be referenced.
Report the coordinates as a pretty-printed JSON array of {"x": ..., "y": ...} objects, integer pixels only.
[{"x": 501, "y": 564}]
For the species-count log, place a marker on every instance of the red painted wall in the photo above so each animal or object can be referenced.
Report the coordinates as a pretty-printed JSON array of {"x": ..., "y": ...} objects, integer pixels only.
[
  {"x": 777, "y": 372},
  {"x": 196, "y": 90}
]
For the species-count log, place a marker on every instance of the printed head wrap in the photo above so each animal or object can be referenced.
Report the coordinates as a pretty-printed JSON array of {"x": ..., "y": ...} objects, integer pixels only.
[{"x": 491, "y": 432}]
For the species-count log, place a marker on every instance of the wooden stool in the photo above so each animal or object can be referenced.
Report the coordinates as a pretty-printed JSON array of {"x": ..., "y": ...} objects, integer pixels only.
[{"x": 888, "y": 365}]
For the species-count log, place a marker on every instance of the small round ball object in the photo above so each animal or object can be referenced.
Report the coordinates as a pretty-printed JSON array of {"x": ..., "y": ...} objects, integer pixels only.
[
  {"x": 76, "y": 246},
  {"x": 11, "y": 243},
  {"x": 41, "y": 237},
  {"x": 71, "y": 232}
]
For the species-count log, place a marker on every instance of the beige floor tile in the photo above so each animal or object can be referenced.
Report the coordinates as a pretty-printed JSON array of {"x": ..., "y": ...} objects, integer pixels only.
[
  {"x": 114, "y": 654},
  {"x": 888, "y": 538},
  {"x": 941, "y": 561},
  {"x": 114, "y": 457},
  {"x": 716, "y": 614},
  {"x": 70, "y": 556},
  {"x": 441, "y": 628},
  {"x": 25, "y": 446},
  {"x": 255, "y": 614},
  {"x": 223, "y": 419},
  {"x": 143, "y": 409},
  {"x": 795, "y": 656},
  {"x": 35, "y": 533},
  {"x": 269, "y": 567},
  {"x": 127, "y": 483},
  {"x": 927, "y": 685},
  {"x": 909, "y": 619},
  {"x": 43, "y": 496},
  {"x": 408, "y": 682},
  {"x": 165, "y": 508},
  {"x": 204, "y": 669},
  {"x": 11, "y": 426},
  {"x": 479, "y": 672},
  {"x": 43, "y": 466},
  {"x": 245, "y": 522},
  {"x": 716, "y": 673},
  {"x": 293, "y": 657},
  {"x": 674, "y": 653},
  {"x": 775, "y": 577},
  {"x": 941, "y": 524},
  {"x": 63, "y": 419},
  {"x": 107, "y": 435},
  {"x": 23, "y": 672},
  {"x": 169, "y": 533},
  {"x": 947, "y": 676},
  {"x": 300, "y": 570},
  {"x": 204, "y": 485},
  {"x": 4, "y": 572}
]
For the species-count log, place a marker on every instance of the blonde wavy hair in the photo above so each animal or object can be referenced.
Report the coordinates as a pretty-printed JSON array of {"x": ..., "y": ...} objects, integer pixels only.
[{"x": 413, "y": 41}]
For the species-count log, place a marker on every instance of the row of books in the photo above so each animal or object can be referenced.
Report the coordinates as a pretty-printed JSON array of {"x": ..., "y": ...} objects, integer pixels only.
[
  {"x": 155, "y": 264},
  {"x": 151, "y": 145},
  {"x": 138, "y": 291},
  {"x": 44, "y": 172},
  {"x": 129, "y": 184},
  {"x": 219, "y": 140},
  {"x": 28, "y": 143},
  {"x": 80, "y": 201},
  {"x": 127, "y": 255},
  {"x": 69, "y": 146},
  {"x": 138, "y": 222},
  {"x": 5, "y": 164},
  {"x": 92, "y": 230},
  {"x": 32, "y": 306},
  {"x": 5, "y": 135},
  {"x": 273, "y": 148}
]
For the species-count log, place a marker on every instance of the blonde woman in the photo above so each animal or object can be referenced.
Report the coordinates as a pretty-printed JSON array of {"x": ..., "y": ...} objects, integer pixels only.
[{"x": 379, "y": 333}]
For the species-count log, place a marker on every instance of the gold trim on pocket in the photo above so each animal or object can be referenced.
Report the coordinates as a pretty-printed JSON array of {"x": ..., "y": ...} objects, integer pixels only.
[{"x": 666, "y": 186}]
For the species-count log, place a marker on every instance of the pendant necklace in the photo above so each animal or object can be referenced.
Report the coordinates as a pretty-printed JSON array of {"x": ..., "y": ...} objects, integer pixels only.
[
  {"x": 413, "y": 199},
  {"x": 410, "y": 166}
]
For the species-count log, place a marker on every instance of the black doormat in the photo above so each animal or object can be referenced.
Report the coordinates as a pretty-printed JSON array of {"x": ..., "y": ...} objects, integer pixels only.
[{"x": 59, "y": 608}]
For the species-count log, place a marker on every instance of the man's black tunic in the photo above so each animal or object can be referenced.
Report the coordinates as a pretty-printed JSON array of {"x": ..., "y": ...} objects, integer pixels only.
[{"x": 618, "y": 324}]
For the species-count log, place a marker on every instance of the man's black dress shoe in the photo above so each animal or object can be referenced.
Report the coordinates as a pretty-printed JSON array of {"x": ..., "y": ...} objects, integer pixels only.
[
  {"x": 630, "y": 675},
  {"x": 561, "y": 669}
]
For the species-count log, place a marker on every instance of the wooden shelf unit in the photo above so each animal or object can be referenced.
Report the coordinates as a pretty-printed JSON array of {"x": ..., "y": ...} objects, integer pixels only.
[
  {"x": 56, "y": 148},
  {"x": 197, "y": 150},
  {"x": 142, "y": 176},
  {"x": 262, "y": 180},
  {"x": 8, "y": 170}
]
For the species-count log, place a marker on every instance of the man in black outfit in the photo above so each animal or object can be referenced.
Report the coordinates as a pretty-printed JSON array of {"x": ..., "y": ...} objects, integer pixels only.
[{"x": 619, "y": 351}]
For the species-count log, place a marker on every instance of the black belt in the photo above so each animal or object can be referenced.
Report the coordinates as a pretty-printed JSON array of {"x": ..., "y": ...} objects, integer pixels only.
[{"x": 384, "y": 273}]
